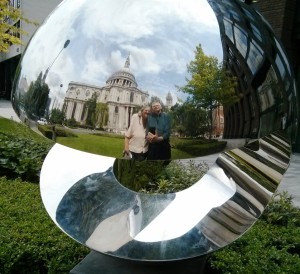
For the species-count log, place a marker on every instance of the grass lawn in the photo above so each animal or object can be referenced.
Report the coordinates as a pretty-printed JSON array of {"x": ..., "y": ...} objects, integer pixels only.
[
  {"x": 92, "y": 143},
  {"x": 104, "y": 145},
  {"x": 19, "y": 129},
  {"x": 96, "y": 144}
]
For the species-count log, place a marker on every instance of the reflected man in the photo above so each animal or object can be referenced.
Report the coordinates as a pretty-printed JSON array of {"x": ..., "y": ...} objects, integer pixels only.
[{"x": 158, "y": 134}]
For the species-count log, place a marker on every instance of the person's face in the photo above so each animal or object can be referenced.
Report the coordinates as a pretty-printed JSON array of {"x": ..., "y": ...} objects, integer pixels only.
[
  {"x": 156, "y": 107},
  {"x": 145, "y": 112}
]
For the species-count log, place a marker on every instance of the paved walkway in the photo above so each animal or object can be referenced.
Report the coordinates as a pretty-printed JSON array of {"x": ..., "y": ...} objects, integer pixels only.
[
  {"x": 290, "y": 182},
  {"x": 7, "y": 111}
]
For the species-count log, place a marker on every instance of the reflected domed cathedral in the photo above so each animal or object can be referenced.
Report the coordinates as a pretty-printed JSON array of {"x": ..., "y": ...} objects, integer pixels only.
[{"x": 119, "y": 98}]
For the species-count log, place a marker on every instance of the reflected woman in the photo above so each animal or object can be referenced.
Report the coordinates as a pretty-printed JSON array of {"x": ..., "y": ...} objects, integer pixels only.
[{"x": 135, "y": 137}]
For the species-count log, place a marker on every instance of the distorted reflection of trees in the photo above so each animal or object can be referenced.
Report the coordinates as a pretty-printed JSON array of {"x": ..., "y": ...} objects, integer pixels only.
[
  {"x": 211, "y": 85},
  {"x": 158, "y": 176}
]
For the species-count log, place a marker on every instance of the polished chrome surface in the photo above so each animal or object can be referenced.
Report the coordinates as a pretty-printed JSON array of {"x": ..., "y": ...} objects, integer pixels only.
[
  {"x": 86, "y": 201},
  {"x": 123, "y": 52},
  {"x": 84, "y": 44}
]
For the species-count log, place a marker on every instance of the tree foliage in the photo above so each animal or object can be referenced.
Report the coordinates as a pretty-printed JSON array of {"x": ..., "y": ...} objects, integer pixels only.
[
  {"x": 36, "y": 98},
  {"x": 210, "y": 85},
  {"x": 189, "y": 120},
  {"x": 57, "y": 116},
  {"x": 9, "y": 28},
  {"x": 101, "y": 114},
  {"x": 91, "y": 106}
]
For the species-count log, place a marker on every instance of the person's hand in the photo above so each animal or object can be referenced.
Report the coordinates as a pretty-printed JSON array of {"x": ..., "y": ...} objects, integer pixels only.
[
  {"x": 150, "y": 137},
  {"x": 153, "y": 138},
  {"x": 126, "y": 152}
]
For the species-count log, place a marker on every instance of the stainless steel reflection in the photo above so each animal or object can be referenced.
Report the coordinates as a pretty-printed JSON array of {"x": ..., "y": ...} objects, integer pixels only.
[
  {"x": 122, "y": 60},
  {"x": 90, "y": 205},
  {"x": 90, "y": 48}
]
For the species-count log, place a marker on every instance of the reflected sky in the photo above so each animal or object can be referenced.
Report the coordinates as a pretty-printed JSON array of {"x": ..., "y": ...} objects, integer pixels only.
[{"x": 160, "y": 37}]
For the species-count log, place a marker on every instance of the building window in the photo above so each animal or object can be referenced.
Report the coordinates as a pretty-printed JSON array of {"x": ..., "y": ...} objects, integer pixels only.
[
  {"x": 74, "y": 110},
  {"x": 131, "y": 97}
]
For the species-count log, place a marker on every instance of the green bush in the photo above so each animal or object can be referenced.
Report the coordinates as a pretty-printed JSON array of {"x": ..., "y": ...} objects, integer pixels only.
[
  {"x": 179, "y": 142},
  {"x": 71, "y": 122},
  {"x": 158, "y": 176},
  {"x": 177, "y": 176},
  {"x": 21, "y": 157},
  {"x": 137, "y": 175},
  {"x": 47, "y": 131},
  {"x": 62, "y": 132},
  {"x": 272, "y": 245},
  {"x": 203, "y": 149},
  {"x": 281, "y": 211},
  {"x": 30, "y": 241}
]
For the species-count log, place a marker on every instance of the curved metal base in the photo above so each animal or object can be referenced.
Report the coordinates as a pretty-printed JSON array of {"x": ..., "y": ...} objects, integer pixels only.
[{"x": 97, "y": 263}]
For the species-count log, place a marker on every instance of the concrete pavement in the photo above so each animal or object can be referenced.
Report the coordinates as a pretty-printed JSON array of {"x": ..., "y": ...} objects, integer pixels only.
[
  {"x": 7, "y": 111},
  {"x": 290, "y": 182}
]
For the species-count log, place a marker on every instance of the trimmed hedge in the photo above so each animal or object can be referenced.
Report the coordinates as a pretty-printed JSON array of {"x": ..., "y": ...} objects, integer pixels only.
[
  {"x": 30, "y": 241},
  {"x": 47, "y": 131},
  {"x": 202, "y": 149}
]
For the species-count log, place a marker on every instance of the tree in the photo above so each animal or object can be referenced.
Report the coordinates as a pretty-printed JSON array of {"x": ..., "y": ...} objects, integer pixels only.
[
  {"x": 57, "y": 116},
  {"x": 91, "y": 107},
  {"x": 36, "y": 98},
  {"x": 189, "y": 120},
  {"x": 211, "y": 85},
  {"x": 9, "y": 25},
  {"x": 102, "y": 115}
]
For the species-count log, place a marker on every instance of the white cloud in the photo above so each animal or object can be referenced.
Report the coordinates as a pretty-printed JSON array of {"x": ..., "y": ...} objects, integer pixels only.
[{"x": 160, "y": 35}]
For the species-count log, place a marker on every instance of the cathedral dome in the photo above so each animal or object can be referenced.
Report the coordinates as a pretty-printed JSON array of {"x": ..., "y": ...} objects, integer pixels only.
[{"x": 122, "y": 77}]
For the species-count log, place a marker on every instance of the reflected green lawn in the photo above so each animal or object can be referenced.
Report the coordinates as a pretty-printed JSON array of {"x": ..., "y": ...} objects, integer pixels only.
[{"x": 107, "y": 146}]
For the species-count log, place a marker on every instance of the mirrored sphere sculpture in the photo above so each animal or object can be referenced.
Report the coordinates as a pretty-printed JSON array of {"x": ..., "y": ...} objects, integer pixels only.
[{"x": 117, "y": 55}]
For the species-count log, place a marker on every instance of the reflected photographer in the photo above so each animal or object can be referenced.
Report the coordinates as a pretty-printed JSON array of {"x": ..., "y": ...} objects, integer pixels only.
[{"x": 158, "y": 134}]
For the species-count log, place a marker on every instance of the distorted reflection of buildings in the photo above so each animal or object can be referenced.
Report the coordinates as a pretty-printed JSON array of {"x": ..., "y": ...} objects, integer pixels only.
[
  {"x": 34, "y": 10},
  {"x": 121, "y": 95},
  {"x": 257, "y": 170},
  {"x": 217, "y": 122},
  {"x": 266, "y": 85}
]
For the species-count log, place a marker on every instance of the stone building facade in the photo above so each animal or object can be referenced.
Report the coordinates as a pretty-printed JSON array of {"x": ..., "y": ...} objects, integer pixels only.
[{"x": 120, "y": 94}]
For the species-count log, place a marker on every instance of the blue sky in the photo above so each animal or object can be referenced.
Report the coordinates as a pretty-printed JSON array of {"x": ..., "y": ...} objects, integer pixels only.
[{"x": 160, "y": 35}]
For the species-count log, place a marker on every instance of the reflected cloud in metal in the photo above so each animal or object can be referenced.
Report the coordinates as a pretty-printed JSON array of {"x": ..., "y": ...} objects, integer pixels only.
[
  {"x": 115, "y": 50},
  {"x": 80, "y": 190}
]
